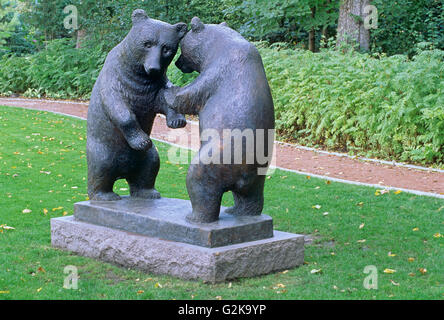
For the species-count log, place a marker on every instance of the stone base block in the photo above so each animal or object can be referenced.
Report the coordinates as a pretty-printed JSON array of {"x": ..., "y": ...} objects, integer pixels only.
[
  {"x": 164, "y": 218},
  {"x": 182, "y": 260}
]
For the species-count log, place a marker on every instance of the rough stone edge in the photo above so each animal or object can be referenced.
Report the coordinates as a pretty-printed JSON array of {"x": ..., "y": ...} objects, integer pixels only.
[{"x": 189, "y": 262}]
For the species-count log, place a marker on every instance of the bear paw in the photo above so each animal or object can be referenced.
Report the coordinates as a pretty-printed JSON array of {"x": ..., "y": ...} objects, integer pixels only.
[
  {"x": 106, "y": 196},
  {"x": 146, "y": 194},
  {"x": 140, "y": 142},
  {"x": 176, "y": 121}
]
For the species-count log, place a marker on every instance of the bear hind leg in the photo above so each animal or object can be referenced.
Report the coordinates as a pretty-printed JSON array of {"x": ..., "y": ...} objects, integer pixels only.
[
  {"x": 205, "y": 195},
  {"x": 141, "y": 182},
  {"x": 248, "y": 201},
  {"x": 100, "y": 188}
]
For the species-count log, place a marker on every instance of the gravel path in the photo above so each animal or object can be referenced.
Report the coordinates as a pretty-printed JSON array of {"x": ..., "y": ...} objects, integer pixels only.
[{"x": 292, "y": 157}]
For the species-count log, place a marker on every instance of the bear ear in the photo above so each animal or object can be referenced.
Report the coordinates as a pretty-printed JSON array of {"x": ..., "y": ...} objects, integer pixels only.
[
  {"x": 197, "y": 25},
  {"x": 224, "y": 24},
  {"x": 139, "y": 15},
  {"x": 181, "y": 29}
]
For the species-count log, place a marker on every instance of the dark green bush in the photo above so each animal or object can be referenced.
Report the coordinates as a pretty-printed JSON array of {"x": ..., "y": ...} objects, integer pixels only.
[
  {"x": 60, "y": 71},
  {"x": 405, "y": 23},
  {"x": 388, "y": 107}
]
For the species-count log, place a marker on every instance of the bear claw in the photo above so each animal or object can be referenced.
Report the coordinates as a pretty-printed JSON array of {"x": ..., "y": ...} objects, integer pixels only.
[
  {"x": 177, "y": 122},
  {"x": 146, "y": 194}
]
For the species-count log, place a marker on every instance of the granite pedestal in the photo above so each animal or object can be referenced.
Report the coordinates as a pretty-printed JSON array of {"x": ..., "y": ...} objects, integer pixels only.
[{"x": 153, "y": 236}]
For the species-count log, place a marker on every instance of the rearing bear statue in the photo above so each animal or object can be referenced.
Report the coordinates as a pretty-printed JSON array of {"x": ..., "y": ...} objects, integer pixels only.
[
  {"x": 123, "y": 106},
  {"x": 231, "y": 96}
]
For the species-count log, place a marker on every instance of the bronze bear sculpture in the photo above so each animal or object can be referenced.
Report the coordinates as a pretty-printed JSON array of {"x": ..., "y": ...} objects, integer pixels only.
[
  {"x": 231, "y": 93},
  {"x": 124, "y": 103}
]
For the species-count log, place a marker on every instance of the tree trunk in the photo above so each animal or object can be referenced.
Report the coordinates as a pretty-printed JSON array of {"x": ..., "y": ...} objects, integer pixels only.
[
  {"x": 312, "y": 34},
  {"x": 351, "y": 24},
  {"x": 81, "y": 35},
  {"x": 325, "y": 29},
  {"x": 325, "y": 37}
]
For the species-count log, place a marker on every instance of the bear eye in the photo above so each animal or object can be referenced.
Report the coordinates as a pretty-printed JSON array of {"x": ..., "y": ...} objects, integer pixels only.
[
  {"x": 148, "y": 44},
  {"x": 167, "y": 51}
]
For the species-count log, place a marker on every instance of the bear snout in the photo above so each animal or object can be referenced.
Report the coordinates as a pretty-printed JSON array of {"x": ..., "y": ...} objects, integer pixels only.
[{"x": 153, "y": 71}]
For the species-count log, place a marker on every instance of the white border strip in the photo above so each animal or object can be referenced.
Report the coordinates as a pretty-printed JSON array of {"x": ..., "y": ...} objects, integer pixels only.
[{"x": 417, "y": 192}]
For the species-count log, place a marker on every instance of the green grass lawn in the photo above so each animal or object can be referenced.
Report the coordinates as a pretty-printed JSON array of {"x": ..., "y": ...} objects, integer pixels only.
[{"x": 43, "y": 173}]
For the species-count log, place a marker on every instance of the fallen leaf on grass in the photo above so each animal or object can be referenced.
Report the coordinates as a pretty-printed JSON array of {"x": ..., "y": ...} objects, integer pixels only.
[
  {"x": 438, "y": 235},
  {"x": 314, "y": 271},
  {"x": 394, "y": 283},
  {"x": 140, "y": 292},
  {"x": 39, "y": 289},
  {"x": 5, "y": 227},
  {"x": 390, "y": 254},
  {"x": 423, "y": 270},
  {"x": 411, "y": 259},
  {"x": 361, "y": 225},
  {"x": 361, "y": 241},
  {"x": 415, "y": 229},
  {"x": 281, "y": 291},
  {"x": 27, "y": 211},
  {"x": 316, "y": 207},
  {"x": 387, "y": 270}
]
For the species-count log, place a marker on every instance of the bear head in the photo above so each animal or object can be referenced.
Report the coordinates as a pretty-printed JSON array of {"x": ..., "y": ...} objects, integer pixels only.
[
  {"x": 198, "y": 44},
  {"x": 152, "y": 44}
]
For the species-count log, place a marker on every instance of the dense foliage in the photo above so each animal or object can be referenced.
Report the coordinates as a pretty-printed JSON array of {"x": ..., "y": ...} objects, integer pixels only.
[
  {"x": 50, "y": 73},
  {"x": 390, "y": 107},
  {"x": 385, "y": 106},
  {"x": 405, "y": 23},
  {"x": 401, "y": 24},
  {"x": 287, "y": 20}
]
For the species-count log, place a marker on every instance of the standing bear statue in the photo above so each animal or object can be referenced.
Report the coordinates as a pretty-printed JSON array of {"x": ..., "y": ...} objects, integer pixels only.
[
  {"x": 123, "y": 106},
  {"x": 232, "y": 97}
]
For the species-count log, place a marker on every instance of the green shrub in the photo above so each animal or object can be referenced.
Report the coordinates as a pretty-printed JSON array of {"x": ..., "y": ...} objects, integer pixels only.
[
  {"x": 60, "y": 71},
  {"x": 388, "y": 107}
]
